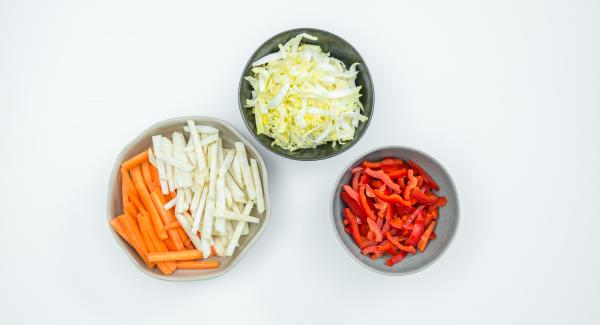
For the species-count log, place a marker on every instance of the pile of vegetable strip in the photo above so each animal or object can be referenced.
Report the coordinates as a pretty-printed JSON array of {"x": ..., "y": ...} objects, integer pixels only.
[
  {"x": 187, "y": 200},
  {"x": 391, "y": 209}
]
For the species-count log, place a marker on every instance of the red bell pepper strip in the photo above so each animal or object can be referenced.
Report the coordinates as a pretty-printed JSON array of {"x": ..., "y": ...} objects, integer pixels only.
[
  {"x": 426, "y": 178},
  {"x": 393, "y": 198},
  {"x": 352, "y": 192},
  {"x": 396, "y": 243},
  {"x": 355, "y": 181},
  {"x": 422, "y": 197},
  {"x": 354, "y": 206},
  {"x": 396, "y": 223},
  {"x": 425, "y": 237},
  {"x": 353, "y": 227},
  {"x": 364, "y": 179},
  {"x": 376, "y": 231},
  {"x": 417, "y": 231},
  {"x": 396, "y": 259},
  {"x": 380, "y": 174},
  {"x": 397, "y": 173},
  {"x": 412, "y": 183},
  {"x": 357, "y": 169},
  {"x": 364, "y": 204},
  {"x": 369, "y": 191},
  {"x": 376, "y": 183},
  {"x": 412, "y": 217},
  {"x": 385, "y": 162}
]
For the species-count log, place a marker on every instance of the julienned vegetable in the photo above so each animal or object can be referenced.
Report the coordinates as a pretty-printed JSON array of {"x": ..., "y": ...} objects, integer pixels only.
[
  {"x": 391, "y": 208},
  {"x": 303, "y": 97},
  {"x": 178, "y": 187}
]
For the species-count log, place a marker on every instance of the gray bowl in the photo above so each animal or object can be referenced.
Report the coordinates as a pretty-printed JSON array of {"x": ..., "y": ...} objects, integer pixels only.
[
  {"x": 447, "y": 221},
  {"x": 339, "y": 49},
  {"x": 141, "y": 143}
]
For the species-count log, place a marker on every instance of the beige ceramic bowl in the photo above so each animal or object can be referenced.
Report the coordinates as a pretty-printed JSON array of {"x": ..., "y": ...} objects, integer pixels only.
[{"x": 142, "y": 142}]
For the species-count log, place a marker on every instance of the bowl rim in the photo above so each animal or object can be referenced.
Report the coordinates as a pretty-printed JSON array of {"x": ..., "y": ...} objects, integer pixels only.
[
  {"x": 334, "y": 217},
  {"x": 114, "y": 178},
  {"x": 366, "y": 71}
]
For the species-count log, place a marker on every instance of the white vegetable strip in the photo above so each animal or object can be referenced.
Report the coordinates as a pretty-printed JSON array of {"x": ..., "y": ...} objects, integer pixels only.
[
  {"x": 202, "y": 129},
  {"x": 226, "y": 163},
  {"x": 238, "y": 230},
  {"x": 212, "y": 179},
  {"x": 220, "y": 206},
  {"x": 170, "y": 204},
  {"x": 197, "y": 144},
  {"x": 260, "y": 200},
  {"x": 246, "y": 174},
  {"x": 236, "y": 171},
  {"x": 231, "y": 215},
  {"x": 237, "y": 193},
  {"x": 207, "y": 225},
  {"x": 183, "y": 221},
  {"x": 160, "y": 165},
  {"x": 199, "y": 210}
]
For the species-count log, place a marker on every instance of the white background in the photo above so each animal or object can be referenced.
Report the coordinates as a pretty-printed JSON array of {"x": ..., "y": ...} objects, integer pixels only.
[{"x": 505, "y": 94}]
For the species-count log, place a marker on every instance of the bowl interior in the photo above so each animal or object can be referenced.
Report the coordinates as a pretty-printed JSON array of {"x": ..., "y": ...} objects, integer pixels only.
[
  {"x": 339, "y": 49},
  {"x": 447, "y": 221},
  {"x": 142, "y": 142}
]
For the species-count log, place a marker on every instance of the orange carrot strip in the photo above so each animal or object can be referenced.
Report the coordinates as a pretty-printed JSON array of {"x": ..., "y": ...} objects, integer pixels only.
[
  {"x": 159, "y": 245},
  {"x": 130, "y": 209},
  {"x": 187, "y": 242},
  {"x": 118, "y": 227},
  {"x": 193, "y": 265},
  {"x": 155, "y": 177},
  {"x": 147, "y": 201},
  {"x": 172, "y": 225},
  {"x": 136, "y": 160},
  {"x": 136, "y": 238},
  {"x": 167, "y": 217},
  {"x": 186, "y": 255},
  {"x": 145, "y": 226},
  {"x": 136, "y": 175},
  {"x": 145, "y": 167}
]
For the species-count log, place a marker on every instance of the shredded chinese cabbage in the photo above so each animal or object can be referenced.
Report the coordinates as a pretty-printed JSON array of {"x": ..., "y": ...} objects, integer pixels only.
[{"x": 303, "y": 97}]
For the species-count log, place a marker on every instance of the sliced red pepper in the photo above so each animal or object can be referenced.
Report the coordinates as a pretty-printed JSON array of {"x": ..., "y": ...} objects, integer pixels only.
[
  {"x": 352, "y": 192},
  {"x": 402, "y": 209},
  {"x": 385, "y": 162},
  {"x": 396, "y": 243},
  {"x": 364, "y": 179},
  {"x": 393, "y": 198},
  {"x": 433, "y": 236},
  {"x": 418, "y": 229},
  {"x": 353, "y": 227},
  {"x": 396, "y": 223},
  {"x": 364, "y": 204},
  {"x": 422, "y": 197},
  {"x": 412, "y": 183},
  {"x": 354, "y": 206},
  {"x": 425, "y": 237},
  {"x": 373, "y": 227},
  {"x": 357, "y": 169},
  {"x": 397, "y": 173},
  {"x": 426, "y": 178},
  {"x": 355, "y": 181},
  {"x": 396, "y": 259},
  {"x": 412, "y": 217},
  {"x": 376, "y": 183},
  {"x": 379, "y": 174}
]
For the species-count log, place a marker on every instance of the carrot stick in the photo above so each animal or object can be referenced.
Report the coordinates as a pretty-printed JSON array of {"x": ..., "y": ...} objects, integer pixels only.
[
  {"x": 145, "y": 225},
  {"x": 172, "y": 225},
  {"x": 147, "y": 201},
  {"x": 147, "y": 175},
  {"x": 159, "y": 245},
  {"x": 118, "y": 228},
  {"x": 185, "y": 255},
  {"x": 136, "y": 238},
  {"x": 187, "y": 242},
  {"x": 155, "y": 177},
  {"x": 170, "y": 245},
  {"x": 136, "y": 175},
  {"x": 167, "y": 217},
  {"x": 192, "y": 265},
  {"x": 136, "y": 160},
  {"x": 130, "y": 209}
]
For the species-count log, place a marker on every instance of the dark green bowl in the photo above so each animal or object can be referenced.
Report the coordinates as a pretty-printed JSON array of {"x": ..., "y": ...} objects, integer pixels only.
[{"x": 339, "y": 49}]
